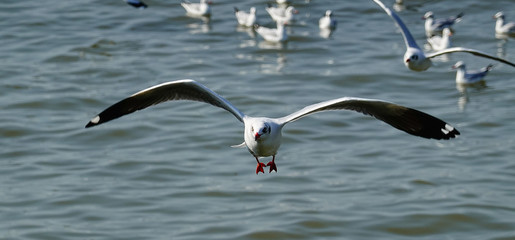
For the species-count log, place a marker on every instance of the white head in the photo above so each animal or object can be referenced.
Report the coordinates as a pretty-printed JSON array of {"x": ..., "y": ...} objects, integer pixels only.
[
  {"x": 291, "y": 10},
  {"x": 262, "y": 136},
  {"x": 328, "y": 13},
  {"x": 252, "y": 10},
  {"x": 428, "y": 15},
  {"x": 499, "y": 15},
  {"x": 260, "y": 130},
  {"x": 459, "y": 65},
  {"x": 416, "y": 60},
  {"x": 446, "y": 32}
]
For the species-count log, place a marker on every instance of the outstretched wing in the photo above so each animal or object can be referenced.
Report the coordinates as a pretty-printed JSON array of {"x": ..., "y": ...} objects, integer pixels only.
[
  {"x": 406, "y": 119},
  {"x": 169, "y": 91},
  {"x": 408, "y": 38},
  {"x": 468, "y": 50}
]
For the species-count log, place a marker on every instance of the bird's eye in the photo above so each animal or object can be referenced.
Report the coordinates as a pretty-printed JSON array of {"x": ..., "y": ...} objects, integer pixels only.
[{"x": 252, "y": 129}]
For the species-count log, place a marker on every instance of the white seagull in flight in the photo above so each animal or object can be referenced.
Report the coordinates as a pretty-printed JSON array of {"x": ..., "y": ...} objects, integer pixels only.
[
  {"x": 415, "y": 58},
  {"x": 262, "y": 135}
]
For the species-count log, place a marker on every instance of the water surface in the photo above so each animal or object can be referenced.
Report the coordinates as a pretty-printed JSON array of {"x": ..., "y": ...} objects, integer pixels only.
[{"x": 169, "y": 173}]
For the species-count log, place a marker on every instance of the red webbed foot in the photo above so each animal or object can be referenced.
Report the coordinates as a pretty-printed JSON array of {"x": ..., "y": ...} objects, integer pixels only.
[
  {"x": 260, "y": 167},
  {"x": 272, "y": 166}
]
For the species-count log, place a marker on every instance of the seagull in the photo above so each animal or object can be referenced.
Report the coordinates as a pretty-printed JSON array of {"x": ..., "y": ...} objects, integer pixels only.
[
  {"x": 469, "y": 77},
  {"x": 503, "y": 28},
  {"x": 441, "y": 42},
  {"x": 279, "y": 14},
  {"x": 327, "y": 21},
  {"x": 434, "y": 26},
  {"x": 244, "y": 18},
  {"x": 415, "y": 59},
  {"x": 262, "y": 135},
  {"x": 273, "y": 34},
  {"x": 197, "y": 9},
  {"x": 136, "y": 4}
]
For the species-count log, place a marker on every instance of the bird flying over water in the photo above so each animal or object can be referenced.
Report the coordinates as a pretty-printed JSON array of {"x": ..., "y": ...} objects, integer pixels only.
[
  {"x": 262, "y": 135},
  {"x": 415, "y": 59}
]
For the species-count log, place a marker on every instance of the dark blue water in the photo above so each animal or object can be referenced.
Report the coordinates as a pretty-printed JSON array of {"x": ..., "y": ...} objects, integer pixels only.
[{"x": 169, "y": 172}]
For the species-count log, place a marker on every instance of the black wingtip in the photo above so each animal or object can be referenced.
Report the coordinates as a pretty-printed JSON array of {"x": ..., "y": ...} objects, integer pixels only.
[
  {"x": 236, "y": 9},
  {"x": 93, "y": 122},
  {"x": 460, "y": 15},
  {"x": 449, "y": 132}
]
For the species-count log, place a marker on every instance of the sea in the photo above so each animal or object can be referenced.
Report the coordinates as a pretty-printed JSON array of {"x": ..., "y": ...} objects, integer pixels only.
[{"x": 169, "y": 172}]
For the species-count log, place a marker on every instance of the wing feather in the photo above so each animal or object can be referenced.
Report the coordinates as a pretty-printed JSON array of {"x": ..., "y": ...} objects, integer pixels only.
[
  {"x": 403, "y": 118},
  {"x": 468, "y": 50},
  {"x": 169, "y": 91},
  {"x": 408, "y": 38}
]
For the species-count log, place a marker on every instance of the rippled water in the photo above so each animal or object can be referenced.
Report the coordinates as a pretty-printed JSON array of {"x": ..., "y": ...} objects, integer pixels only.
[{"x": 168, "y": 172}]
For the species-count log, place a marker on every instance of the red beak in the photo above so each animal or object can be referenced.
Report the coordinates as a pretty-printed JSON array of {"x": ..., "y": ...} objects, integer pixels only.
[
  {"x": 256, "y": 137},
  {"x": 407, "y": 60}
]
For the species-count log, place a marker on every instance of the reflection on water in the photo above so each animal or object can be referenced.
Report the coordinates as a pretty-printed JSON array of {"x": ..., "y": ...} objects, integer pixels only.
[
  {"x": 203, "y": 27},
  {"x": 249, "y": 30},
  {"x": 501, "y": 47},
  {"x": 326, "y": 32},
  {"x": 272, "y": 45},
  {"x": 276, "y": 67},
  {"x": 169, "y": 173},
  {"x": 464, "y": 94},
  {"x": 504, "y": 36}
]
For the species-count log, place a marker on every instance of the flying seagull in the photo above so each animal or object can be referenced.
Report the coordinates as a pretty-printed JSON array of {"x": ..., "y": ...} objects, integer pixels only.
[
  {"x": 262, "y": 135},
  {"x": 415, "y": 58}
]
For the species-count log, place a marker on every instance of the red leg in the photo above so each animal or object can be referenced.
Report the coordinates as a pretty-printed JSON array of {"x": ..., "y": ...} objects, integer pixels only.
[
  {"x": 260, "y": 166},
  {"x": 272, "y": 165}
]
